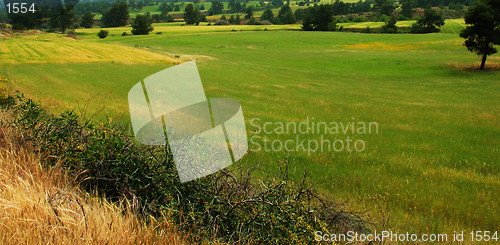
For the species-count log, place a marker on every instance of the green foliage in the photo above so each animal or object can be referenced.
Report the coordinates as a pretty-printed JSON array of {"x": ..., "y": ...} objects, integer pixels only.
[
  {"x": 164, "y": 16},
  {"x": 216, "y": 8},
  {"x": 117, "y": 15},
  {"x": 407, "y": 8},
  {"x": 318, "y": 18},
  {"x": 102, "y": 34},
  {"x": 429, "y": 22},
  {"x": 390, "y": 25},
  {"x": 277, "y": 3},
  {"x": 228, "y": 205},
  {"x": 384, "y": 7},
  {"x": 483, "y": 31},
  {"x": 249, "y": 12},
  {"x": 285, "y": 16},
  {"x": 142, "y": 24},
  {"x": 236, "y": 7},
  {"x": 267, "y": 15},
  {"x": 62, "y": 19},
  {"x": 87, "y": 20},
  {"x": 191, "y": 15},
  {"x": 235, "y": 20},
  {"x": 299, "y": 14}
]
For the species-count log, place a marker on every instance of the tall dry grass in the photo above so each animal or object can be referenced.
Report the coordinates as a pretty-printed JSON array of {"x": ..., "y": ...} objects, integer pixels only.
[{"x": 42, "y": 206}]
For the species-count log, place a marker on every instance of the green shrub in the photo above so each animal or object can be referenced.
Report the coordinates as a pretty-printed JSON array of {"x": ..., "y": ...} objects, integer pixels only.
[
  {"x": 229, "y": 205},
  {"x": 103, "y": 34}
]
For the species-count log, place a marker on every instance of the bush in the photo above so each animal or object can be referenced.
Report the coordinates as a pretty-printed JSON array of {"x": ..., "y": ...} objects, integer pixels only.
[
  {"x": 228, "y": 205},
  {"x": 142, "y": 24},
  {"x": 124, "y": 34},
  {"x": 103, "y": 34},
  {"x": 390, "y": 25},
  {"x": 429, "y": 22}
]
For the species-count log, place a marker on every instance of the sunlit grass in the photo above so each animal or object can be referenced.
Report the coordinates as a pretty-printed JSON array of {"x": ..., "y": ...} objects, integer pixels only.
[{"x": 434, "y": 164}]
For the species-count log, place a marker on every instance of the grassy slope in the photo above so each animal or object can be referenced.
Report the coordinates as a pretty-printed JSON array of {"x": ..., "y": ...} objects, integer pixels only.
[
  {"x": 42, "y": 206},
  {"x": 434, "y": 165}
]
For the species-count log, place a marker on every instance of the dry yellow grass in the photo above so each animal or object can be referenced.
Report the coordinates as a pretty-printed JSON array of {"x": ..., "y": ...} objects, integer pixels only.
[
  {"x": 40, "y": 206},
  {"x": 51, "y": 48}
]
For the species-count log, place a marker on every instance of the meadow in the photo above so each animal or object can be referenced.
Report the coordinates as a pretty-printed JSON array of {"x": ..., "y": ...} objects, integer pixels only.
[{"x": 432, "y": 167}]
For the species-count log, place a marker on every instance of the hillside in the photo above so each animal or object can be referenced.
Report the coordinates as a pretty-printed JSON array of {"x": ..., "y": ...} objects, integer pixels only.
[{"x": 40, "y": 205}]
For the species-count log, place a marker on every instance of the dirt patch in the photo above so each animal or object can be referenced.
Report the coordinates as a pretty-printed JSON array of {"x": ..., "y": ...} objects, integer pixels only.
[{"x": 181, "y": 58}]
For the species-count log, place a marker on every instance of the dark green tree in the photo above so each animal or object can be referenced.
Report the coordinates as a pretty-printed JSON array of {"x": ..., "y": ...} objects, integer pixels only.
[
  {"x": 142, "y": 24},
  {"x": 164, "y": 16},
  {"x": 429, "y": 22},
  {"x": 407, "y": 8},
  {"x": 390, "y": 25},
  {"x": 384, "y": 7},
  {"x": 231, "y": 19},
  {"x": 87, "y": 20},
  {"x": 62, "y": 19},
  {"x": 249, "y": 12},
  {"x": 285, "y": 16},
  {"x": 483, "y": 31},
  {"x": 277, "y": 3},
  {"x": 117, "y": 15},
  {"x": 216, "y": 8},
  {"x": 318, "y": 18},
  {"x": 268, "y": 15},
  {"x": 299, "y": 14},
  {"x": 191, "y": 15}
]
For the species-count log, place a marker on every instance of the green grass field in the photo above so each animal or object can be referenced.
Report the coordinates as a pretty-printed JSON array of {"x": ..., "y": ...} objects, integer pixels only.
[{"x": 433, "y": 166}]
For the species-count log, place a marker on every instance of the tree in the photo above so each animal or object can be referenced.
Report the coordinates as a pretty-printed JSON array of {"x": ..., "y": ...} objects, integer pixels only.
[
  {"x": 102, "y": 34},
  {"x": 285, "y": 16},
  {"x": 390, "y": 25},
  {"x": 429, "y": 22},
  {"x": 62, "y": 19},
  {"x": 384, "y": 7},
  {"x": 164, "y": 16},
  {"x": 407, "y": 8},
  {"x": 235, "y": 7},
  {"x": 191, "y": 15},
  {"x": 216, "y": 8},
  {"x": 483, "y": 31},
  {"x": 277, "y": 3},
  {"x": 249, "y": 12},
  {"x": 116, "y": 16},
  {"x": 142, "y": 24},
  {"x": 299, "y": 14},
  {"x": 267, "y": 15},
  {"x": 87, "y": 20},
  {"x": 318, "y": 18}
]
